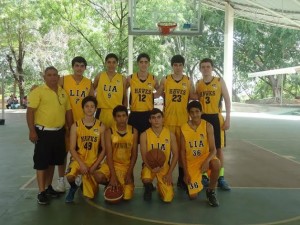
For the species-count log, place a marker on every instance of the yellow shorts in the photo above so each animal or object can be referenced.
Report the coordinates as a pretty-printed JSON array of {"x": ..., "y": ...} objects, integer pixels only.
[
  {"x": 106, "y": 117},
  {"x": 121, "y": 172},
  {"x": 166, "y": 191},
  {"x": 90, "y": 186}
]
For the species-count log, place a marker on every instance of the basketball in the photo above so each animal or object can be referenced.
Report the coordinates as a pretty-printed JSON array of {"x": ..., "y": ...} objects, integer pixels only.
[
  {"x": 113, "y": 196},
  {"x": 155, "y": 158}
]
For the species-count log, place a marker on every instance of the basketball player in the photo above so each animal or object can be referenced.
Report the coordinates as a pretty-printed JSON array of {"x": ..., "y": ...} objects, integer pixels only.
[
  {"x": 177, "y": 89},
  {"x": 77, "y": 87},
  {"x": 47, "y": 112},
  {"x": 141, "y": 100},
  {"x": 110, "y": 87},
  {"x": 121, "y": 154},
  {"x": 198, "y": 153},
  {"x": 158, "y": 137},
  {"x": 210, "y": 91},
  {"x": 86, "y": 138}
]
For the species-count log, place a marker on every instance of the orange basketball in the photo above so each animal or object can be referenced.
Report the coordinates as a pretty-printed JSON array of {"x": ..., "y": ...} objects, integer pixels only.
[
  {"x": 155, "y": 158},
  {"x": 113, "y": 196}
]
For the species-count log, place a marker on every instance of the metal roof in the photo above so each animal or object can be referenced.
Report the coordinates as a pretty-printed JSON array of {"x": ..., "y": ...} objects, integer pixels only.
[{"x": 283, "y": 13}]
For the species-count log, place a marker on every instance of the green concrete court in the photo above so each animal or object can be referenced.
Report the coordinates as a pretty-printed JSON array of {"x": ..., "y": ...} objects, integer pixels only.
[{"x": 262, "y": 165}]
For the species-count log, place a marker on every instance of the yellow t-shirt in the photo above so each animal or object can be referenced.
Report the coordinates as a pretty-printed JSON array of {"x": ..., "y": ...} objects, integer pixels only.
[
  {"x": 122, "y": 145},
  {"x": 196, "y": 142},
  {"x": 110, "y": 92},
  {"x": 176, "y": 100},
  {"x": 141, "y": 93},
  {"x": 210, "y": 95},
  {"x": 76, "y": 93},
  {"x": 161, "y": 141},
  {"x": 88, "y": 141},
  {"x": 50, "y": 106}
]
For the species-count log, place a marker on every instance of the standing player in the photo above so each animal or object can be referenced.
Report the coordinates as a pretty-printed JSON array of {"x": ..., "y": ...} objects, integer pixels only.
[
  {"x": 77, "y": 87},
  {"x": 47, "y": 112},
  {"x": 141, "y": 100},
  {"x": 198, "y": 153},
  {"x": 111, "y": 90},
  {"x": 121, "y": 154},
  {"x": 86, "y": 138},
  {"x": 177, "y": 89},
  {"x": 159, "y": 137},
  {"x": 210, "y": 92}
]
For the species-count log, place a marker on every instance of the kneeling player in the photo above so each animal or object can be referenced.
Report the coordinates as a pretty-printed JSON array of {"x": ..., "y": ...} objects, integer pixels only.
[
  {"x": 121, "y": 154},
  {"x": 198, "y": 153},
  {"x": 88, "y": 134}
]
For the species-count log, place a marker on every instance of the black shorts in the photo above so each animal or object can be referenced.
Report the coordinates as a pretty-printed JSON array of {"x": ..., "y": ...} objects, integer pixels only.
[
  {"x": 217, "y": 121},
  {"x": 50, "y": 149},
  {"x": 139, "y": 120}
]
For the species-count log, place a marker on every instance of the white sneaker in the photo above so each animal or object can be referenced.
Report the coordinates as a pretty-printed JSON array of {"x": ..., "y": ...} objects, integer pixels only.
[{"x": 60, "y": 185}]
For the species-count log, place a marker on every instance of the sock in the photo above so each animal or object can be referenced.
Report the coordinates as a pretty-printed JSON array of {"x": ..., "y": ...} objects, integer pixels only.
[
  {"x": 180, "y": 174},
  {"x": 204, "y": 174},
  {"x": 221, "y": 173},
  {"x": 73, "y": 184}
]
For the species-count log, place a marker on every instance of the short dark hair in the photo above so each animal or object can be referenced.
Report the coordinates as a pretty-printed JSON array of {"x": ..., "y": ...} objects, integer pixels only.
[
  {"x": 143, "y": 55},
  {"x": 89, "y": 99},
  {"x": 120, "y": 108},
  {"x": 205, "y": 60},
  {"x": 177, "y": 59},
  {"x": 194, "y": 104},
  {"x": 111, "y": 55},
  {"x": 50, "y": 68},
  {"x": 155, "y": 111},
  {"x": 79, "y": 59}
]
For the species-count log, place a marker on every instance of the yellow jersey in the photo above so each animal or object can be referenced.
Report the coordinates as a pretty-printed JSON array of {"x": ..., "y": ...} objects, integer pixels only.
[
  {"x": 76, "y": 93},
  {"x": 121, "y": 145},
  {"x": 196, "y": 142},
  {"x": 176, "y": 99},
  {"x": 110, "y": 92},
  {"x": 141, "y": 93},
  {"x": 88, "y": 141},
  {"x": 50, "y": 106},
  {"x": 161, "y": 141},
  {"x": 210, "y": 95}
]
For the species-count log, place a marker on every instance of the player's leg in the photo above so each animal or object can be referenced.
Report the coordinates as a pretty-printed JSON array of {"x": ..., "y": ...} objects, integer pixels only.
[
  {"x": 102, "y": 174},
  {"x": 89, "y": 186},
  {"x": 106, "y": 117},
  {"x": 72, "y": 172},
  {"x": 165, "y": 191},
  {"x": 214, "y": 167},
  {"x": 195, "y": 186},
  {"x": 128, "y": 188},
  {"x": 147, "y": 179}
]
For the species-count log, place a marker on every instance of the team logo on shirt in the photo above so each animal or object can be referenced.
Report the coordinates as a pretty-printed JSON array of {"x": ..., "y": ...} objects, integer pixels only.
[
  {"x": 184, "y": 85},
  {"x": 149, "y": 84},
  {"x": 214, "y": 86},
  {"x": 201, "y": 136},
  {"x": 96, "y": 130}
]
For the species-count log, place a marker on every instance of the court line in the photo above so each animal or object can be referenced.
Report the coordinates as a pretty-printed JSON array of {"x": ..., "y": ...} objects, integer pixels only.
[
  {"x": 268, "y": 150},
  {"x": 27, "y": 183}
]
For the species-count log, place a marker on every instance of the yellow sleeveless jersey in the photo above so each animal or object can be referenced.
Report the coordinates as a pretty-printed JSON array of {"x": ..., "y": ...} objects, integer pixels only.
[
  {"x": 162, "y": 142},
  {"x": 176, "y": 100},
  {"x": 196, "y": 142},
  {"x": 141, "y": 93},
  {"x": 210, "y": 95},
  {"x": 88, "y": 141},
  {"x": 76, "y": 93},
  {"x": 122, "y": 145},
  {"x": 110, "y": 92}
]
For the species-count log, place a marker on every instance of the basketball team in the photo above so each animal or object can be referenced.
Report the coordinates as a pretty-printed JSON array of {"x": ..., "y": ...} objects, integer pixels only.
[{"x": 90, "y": 120}]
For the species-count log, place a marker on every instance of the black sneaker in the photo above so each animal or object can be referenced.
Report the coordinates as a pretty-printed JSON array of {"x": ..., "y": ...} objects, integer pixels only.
[
  {"x": 42, "y": 198},
  {"x": 205, "y": 181},
  {"x": 51, "y": 192},
  {"x": 211, "y": 198},
  {"x": 148, "y": 191}
]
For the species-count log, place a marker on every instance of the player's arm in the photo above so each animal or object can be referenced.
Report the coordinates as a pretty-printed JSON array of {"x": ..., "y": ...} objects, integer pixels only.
[
  {"x": 226, "y": 97},
  {"x": 102, "y": 153},
  {"x": 129, "y": 175},
  {"x": 128, "y": 80},
  {"x": 92, "y": 90},
  {"x": 212, "y": 147},
  {"x": 33, "y": 137},
  {"x": 182, "y": 150},
  {"x": 174, "y": 149},
  {"x": 159, "y": 92},
  {"x": 113, "y": 181},
  {"x": 125, "y": 98},
  {"x": 96, "y": 80},
  {"x": 143, "y": 148},
  {"x": 73, "y": 138}
]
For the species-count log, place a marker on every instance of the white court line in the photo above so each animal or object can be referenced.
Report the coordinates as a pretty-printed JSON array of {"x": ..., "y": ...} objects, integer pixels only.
[{"x": 27, "y": 183}]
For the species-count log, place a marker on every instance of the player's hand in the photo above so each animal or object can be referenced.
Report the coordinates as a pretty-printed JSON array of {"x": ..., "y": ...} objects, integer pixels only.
[
  {"x": 167, "y": 179},
  {"x": 113, "y": 182},
  {"x": 93, "y": 168},
  {"x": 33, "y": 137},
  {"x": 83, "y": 169},
  {"x": 226, "y": 125},
  {"x": 156, "y": 170},
  {"x": 205, "y": 166},
  {"x": 187, "y": 179}
]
